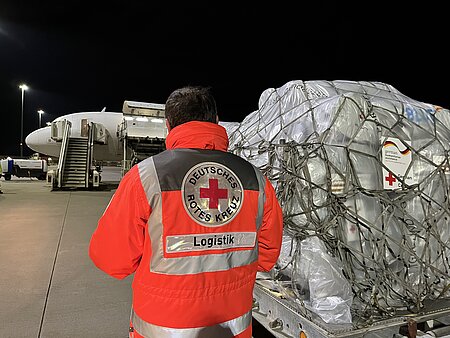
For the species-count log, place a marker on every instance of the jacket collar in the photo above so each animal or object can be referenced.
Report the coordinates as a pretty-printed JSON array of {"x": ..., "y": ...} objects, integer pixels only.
[{"x": 200, "y": 135}]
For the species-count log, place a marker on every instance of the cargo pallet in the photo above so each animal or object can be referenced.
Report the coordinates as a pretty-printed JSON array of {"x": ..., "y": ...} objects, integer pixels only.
[{"x": 282, "y": 319}]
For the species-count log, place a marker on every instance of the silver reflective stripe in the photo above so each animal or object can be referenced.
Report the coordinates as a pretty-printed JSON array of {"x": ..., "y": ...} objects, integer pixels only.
[
  {"x": 190, "y": 264},
  {"x": 261, "y": 197},
  {"x": 215, "y": 241},
  {"x": 150, "y": 183},
  {"x": 205, "y": 263},
  {"x": 226, "y": 329}
]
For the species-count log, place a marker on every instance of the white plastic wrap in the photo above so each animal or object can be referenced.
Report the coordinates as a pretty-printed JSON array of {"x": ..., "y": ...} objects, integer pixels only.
[
  {"x": 365, "y": 169},
  {"x": 330, "y": 294}
]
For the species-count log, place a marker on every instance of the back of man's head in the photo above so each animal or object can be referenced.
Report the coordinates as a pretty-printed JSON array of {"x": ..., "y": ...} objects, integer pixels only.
[{"x": 191, "y": 103}]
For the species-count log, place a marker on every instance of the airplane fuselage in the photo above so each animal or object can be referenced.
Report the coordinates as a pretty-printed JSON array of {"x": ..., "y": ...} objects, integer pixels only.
[{"x": 41, "y": 141}]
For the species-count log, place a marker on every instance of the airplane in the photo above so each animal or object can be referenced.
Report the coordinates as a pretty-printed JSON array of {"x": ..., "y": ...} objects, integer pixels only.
[{"x": 41, "y": 140}]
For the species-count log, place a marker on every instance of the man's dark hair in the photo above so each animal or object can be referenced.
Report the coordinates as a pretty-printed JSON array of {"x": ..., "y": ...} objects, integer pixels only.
[{"x": 190, "y": 103}]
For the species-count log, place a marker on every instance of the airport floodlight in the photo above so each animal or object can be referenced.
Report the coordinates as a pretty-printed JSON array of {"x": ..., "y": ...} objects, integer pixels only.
[
  {"x": 23, "y": 87},
  {"x": 40, "y": 112}
]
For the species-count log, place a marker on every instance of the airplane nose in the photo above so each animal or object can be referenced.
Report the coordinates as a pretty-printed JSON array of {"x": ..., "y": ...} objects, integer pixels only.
[{"x": 38, "y": 139}]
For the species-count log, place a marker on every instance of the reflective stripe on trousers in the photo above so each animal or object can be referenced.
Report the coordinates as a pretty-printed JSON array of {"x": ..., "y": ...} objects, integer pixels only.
[{"x": 226, "y": 329}]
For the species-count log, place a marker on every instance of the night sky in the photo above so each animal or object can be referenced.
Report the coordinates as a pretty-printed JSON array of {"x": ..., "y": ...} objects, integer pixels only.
[{"x": 83, "y": 56}]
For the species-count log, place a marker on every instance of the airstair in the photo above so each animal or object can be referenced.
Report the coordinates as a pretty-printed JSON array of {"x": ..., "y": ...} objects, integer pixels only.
[
  {"x": 75, "y": 164},
  {"x": 75, "y": 173}
]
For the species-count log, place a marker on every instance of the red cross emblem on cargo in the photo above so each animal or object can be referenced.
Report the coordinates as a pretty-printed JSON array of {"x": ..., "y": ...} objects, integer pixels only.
[
  {"x": 212, "y": 194},
  {"x": 391, "y": 179}
]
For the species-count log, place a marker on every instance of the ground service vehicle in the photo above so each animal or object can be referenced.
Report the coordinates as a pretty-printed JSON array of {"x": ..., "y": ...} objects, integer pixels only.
[{"x": 23, "y": 168}]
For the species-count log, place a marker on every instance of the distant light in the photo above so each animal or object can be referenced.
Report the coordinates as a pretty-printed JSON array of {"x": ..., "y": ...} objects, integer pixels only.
[
  {"x": 128, "y": 118},
  {"x": 40, "y": 111},
  {"x": 157, "y": 120},
  {"x": 142, "y": 119},
  {"x": 23, "y": 86}
]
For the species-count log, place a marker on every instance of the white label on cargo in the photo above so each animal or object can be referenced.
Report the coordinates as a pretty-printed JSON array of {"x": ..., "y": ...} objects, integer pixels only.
[{"x": 397, "y": 157}]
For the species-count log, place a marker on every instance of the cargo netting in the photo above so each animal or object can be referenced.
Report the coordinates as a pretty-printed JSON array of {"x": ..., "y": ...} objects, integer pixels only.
[{"x": 364, "y": 170}]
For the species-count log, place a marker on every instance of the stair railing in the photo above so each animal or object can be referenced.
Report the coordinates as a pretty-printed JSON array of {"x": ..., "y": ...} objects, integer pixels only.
[
  {"x": 63, "y": 151},
  {"x": 90, "y": 152}
]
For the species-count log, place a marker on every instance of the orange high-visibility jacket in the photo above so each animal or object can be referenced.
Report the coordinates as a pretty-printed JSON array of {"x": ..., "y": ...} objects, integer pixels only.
[{"x": 195, "y": 223}]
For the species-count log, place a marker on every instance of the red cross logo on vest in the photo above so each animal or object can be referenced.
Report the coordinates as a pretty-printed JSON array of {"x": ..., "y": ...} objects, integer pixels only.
[{"x": 213, "y": 193}]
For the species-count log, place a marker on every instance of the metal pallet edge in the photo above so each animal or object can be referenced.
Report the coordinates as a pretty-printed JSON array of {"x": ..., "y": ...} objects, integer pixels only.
[{"x": 282, "y": 320}]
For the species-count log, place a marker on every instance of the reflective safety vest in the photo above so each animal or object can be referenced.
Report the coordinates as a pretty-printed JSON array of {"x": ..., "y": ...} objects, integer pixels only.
[{"x": 195, "y": 223}]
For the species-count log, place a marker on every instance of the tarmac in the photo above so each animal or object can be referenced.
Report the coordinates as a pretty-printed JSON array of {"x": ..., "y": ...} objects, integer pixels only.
[{"x": 49, "y": 286}]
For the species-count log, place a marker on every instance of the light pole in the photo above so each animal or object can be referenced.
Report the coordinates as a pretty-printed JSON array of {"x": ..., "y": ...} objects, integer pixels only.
[
  {"x": 23, "y": 87},
  {"x": 40, "y": 112}
]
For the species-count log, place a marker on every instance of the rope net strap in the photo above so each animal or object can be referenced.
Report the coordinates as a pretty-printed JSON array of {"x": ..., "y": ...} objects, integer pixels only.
[{"x": 364, "y": 169}]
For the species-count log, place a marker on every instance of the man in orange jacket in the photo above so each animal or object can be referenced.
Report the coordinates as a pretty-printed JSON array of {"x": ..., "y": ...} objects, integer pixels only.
[{"x": 195, "y": 223}]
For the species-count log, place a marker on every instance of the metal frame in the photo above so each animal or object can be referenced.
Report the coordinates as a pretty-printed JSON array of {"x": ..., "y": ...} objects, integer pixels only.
[{"x": 282, "y": 320}]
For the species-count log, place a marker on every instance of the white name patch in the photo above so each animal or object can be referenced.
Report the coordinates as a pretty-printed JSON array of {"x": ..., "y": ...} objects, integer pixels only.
[{"x": 216, "y": 241}]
